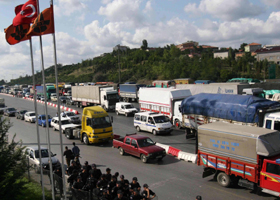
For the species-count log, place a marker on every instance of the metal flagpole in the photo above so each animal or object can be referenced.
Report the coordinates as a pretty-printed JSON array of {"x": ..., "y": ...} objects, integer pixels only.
[
  {"x": 58, "y": 110},
  {"x": 37, "y": 126},
  {"x": 46, "y": 111}
]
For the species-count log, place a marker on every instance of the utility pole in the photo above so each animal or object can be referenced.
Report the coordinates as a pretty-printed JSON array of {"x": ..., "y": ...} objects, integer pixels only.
[{"x": 119, "y": 63}]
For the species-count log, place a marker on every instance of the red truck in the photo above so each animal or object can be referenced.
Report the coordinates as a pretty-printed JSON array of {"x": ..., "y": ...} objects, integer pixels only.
[
  {"x": 238, "y": 154},
  {"x": 140, "y": 146}
]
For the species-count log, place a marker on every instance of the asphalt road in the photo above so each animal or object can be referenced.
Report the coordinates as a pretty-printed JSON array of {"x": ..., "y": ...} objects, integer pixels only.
[{"x": 169, "y": 179}]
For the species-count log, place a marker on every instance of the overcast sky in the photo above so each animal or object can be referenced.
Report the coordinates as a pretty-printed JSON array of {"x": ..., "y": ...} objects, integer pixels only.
[{"x": 88, "y": 28}]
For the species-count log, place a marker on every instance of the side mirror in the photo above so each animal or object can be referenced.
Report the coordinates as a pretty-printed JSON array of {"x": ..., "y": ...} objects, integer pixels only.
[
  {"x": 105, "y": 98},
  {"x": 31, "y": 156},
  {"x": 112, "y": 119}
]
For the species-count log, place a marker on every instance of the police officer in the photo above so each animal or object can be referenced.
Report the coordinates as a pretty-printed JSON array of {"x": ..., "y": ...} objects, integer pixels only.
[
  {"x": 134, "y": 184},
  {"x": 135, "y": 195},
  {"x": 108, "y": 174},
  {"x": 90, "y": 184},
  {"x": 120, "y": 196},
  {"x": 112, "y": 183},
  {"x": 96, "y": 172},
  {"x": 147, "y": 193},
  {"x": 88, "y": 167},
  {"x": 125, "y": 185},
  {"x": 73, "y": 177},
  {"x": 117, "y": 188},
  {"x": 103, "y": 181}
]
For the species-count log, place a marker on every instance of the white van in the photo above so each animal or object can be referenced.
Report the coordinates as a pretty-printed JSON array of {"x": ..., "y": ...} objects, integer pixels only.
[
  {"x": 152, "y": 122},
  {"x": 125, "y": 108}
]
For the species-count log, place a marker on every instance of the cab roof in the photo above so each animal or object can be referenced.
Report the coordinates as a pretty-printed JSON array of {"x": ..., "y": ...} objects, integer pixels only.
[{"x": 137, "y": 137}]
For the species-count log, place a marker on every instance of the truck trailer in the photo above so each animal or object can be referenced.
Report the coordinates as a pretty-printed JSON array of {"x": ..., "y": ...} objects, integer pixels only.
[
  {"x": 249, "y": 110},
  {"x": 243, "y": 155},
  {"x": 163, "y": 100},
  {"x": 105, "y": 96},
  {"x": 129, "y": 92}
]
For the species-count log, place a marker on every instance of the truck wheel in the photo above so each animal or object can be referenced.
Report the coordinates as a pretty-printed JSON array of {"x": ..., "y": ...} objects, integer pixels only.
[
  {"x": 223, "y": 179},
  {"x": 138, "y": 129},
  {"x": 144, "y": 158},
  {"x": 154, "y": 132},
  {"x": 177, "y": 124},
  {"x": 85, "y": 139},
  {"x": 121, "y": 151}
]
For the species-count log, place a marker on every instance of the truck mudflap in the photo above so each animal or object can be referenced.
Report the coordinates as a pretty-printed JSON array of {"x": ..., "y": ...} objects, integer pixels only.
[
  {"x": 208, "y": 172},
  {"x": 190, "y": 133}
]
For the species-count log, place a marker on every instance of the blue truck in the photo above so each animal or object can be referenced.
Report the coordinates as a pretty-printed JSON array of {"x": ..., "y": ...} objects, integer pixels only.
[
  {"x": 129, "y": 92},
  {"x": 49, "y": 90},
  {"x": 249, "y": 110}
]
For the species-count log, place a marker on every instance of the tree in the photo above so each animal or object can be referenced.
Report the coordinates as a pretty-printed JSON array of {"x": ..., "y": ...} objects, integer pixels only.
[
  {"x": 12, "y": 164},
  {"x": 144, "y": 44},
  {"x": 242, "y": 46}
]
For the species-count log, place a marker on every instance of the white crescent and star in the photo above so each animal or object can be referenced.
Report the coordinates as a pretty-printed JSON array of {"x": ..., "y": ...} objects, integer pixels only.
[{"x": 33, "y": 11}]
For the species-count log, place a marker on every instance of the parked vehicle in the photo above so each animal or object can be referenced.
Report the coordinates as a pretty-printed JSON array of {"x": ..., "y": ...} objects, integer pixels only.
[
  {"x": 42, "y": 120},
  {"x": 96, "y": 125},
  {"x": 65, "y": 124},
  {"x": 62, "y": 99},
  {"x": 10, "y": 112},
  {"x": 152, "y": 122},
  {"x": 53, "y": 97},
  {"x": 105, "y": 96},
  {"x": 20, "y": 114},
  {"x": 2, "y": 102},
  {"x": 164, "y": 83},
  {"x": 243, "y": 155},
  {"x": 27, "y": 94},
  {"x": 163, "y": 100},
  {"x": 125, "y": 108},
  {"x": 129, "y": 92},
  {"x": 69, "y": 100},
  {"x": 30, "y": 117},
  {"x": 32, "y": 154},
  {"x": 184, "y": 81},
  {"x": 238, "y": 109},
  {"x": 71, "y": 116},
  {"x": 139, "y": 146}
]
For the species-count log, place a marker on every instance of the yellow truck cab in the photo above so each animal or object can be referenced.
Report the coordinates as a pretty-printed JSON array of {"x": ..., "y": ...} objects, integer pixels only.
[{"x": 96, "y": 126}]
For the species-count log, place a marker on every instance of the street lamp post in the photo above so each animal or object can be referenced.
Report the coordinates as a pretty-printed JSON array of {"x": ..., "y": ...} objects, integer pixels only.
[{"x": 119, "y": 63}]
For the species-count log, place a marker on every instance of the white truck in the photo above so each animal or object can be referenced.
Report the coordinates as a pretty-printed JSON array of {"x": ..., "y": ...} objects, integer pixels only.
[
  {"x": 163, "y": 100},
  {"x": 71, "y": 130},
  {"x": 93, "y": 95},
  {"x": 125, "y": 108},
  {"x": 249, "y": 110}
]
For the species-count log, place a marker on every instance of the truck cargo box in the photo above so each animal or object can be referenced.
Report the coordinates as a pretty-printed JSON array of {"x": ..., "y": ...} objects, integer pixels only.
[
  {"x": 242, "y": 108},
  {"x": 238, "y": 142}
]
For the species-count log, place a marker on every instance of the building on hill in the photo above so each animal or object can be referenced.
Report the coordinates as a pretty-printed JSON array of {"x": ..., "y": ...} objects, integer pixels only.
[
  {"x": 221, "y": 54},
  {"x": 121, "y": 48},
  {"x": 252, "y": 47},
  {"x": 194, "y": 46},
  {"x": 272, "y": 54},
  {"x": 185, "y": 45}
]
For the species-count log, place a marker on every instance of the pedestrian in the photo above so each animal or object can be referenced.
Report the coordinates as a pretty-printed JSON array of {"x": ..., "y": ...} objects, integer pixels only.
[
  {"x": 134, "y": 184},
  {"x": 108, "y": 174},
  {"x": 77, "y": 161},
  {"x": 75, "y": 150},
  {"x": 88, "y": 167},
  {"x": 120, "y": 196},
  {"x": 147, "y": 193},
  {"x": 68, "y": 155},
  {"x": 135, "y": 195},
  {"x": 198, "y": 197},
  {"x": 95, "y": 172},
  {"x": 63, "y": 114}
]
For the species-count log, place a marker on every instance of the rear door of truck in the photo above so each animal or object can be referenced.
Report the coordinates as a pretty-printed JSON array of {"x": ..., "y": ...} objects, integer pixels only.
[{"x": 270, "y": 176}]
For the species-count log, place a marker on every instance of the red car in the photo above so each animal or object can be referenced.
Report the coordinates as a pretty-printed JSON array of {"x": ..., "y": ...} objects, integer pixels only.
[{"x": 140, "y": 146}]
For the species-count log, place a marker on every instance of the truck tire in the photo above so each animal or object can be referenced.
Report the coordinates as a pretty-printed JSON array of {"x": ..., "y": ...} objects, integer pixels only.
[
  {"x": 154, "y": 132},
  {"x": 85, "y": 139},
  {"x": 138, "y": 129},
  {"x": 121, "y": 151},
  {"x": 177, "y": 124},
  {"x": 68, "y": 133},
  {"x": 223, "y": 179},
  {"x": 144, "y": 158}
]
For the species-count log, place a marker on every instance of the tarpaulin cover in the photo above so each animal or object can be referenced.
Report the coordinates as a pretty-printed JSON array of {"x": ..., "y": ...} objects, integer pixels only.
[{"x": 243, "y": 108}]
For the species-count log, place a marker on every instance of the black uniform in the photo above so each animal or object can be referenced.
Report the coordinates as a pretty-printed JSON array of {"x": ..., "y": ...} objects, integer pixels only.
[
  {"x": 96, "y": 173},
  {"x": 90, "y": 184},
  {"x": 145, "y": 194},
  {"x": 132, "y": 186},
  {"x": 115, "y": 190}
]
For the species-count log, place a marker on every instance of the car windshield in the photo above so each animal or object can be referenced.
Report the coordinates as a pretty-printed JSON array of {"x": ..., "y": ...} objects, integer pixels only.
[
  {"x": 32, "y": 114},
  {"x": 70, "y": 114},
  {"x": 44, "y": 153},
  {"x": 128, "y": 106},
  {"x": 11, "y": 109},
  {"x": 145, "y": 142},
  {"x": 101, "y": 122},
  {"x": 44, "y": 117},
  {"x": 23, "y": 111},
  {"x": 63, "y": 122},
  {"x": 161, "y": 119}
]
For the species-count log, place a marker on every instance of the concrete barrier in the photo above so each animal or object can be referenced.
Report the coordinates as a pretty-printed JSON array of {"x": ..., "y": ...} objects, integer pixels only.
[
  {"x": 166, "y": 147},
  {"x": 187, "y": 156}
]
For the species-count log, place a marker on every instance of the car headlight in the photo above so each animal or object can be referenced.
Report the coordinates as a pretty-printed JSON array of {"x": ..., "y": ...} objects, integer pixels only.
[
  {"x": 93, "y": 131},
  {"x": 158, "y": 128}
]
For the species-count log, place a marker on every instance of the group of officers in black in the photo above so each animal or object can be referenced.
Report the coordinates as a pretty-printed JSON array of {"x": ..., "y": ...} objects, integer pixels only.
[{"x": 88, "y": 179}]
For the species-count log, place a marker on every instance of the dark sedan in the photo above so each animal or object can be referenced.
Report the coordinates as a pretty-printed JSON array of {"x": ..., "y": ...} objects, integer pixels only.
[
  {"x": 10, "y": 112},
  {"x": 20, "y": 114}
]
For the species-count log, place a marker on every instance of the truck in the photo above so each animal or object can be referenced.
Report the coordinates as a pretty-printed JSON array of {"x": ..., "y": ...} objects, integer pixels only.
[
  {"x": 50, "y": 89},
  {"x": 243, "y": 155},
  {"x": 105, "y": 96},
  {"x": 96, "y": 126},
  {"x": 163, "y": 100},
  {"x": 164, "y": 83},
  {"x": 129, "y": 92},
  {"x": 139, "y": 146},
  {"x": 248, "y": 110}
]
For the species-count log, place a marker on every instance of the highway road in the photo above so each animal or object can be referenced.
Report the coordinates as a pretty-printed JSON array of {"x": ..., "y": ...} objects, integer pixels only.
[{"x": 169, "y": 179}]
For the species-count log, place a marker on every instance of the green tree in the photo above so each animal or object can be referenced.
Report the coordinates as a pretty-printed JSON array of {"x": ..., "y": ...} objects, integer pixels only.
[
  {"x": 12, "y": 164},
  {"x": 242, "y": 46},
  {"x": 144, "y": 44}
]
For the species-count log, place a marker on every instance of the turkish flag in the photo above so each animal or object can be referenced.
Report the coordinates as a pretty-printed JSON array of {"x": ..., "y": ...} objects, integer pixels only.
[
  {"x": 26, "y": 13},
  {"x": 44, "y": 23},
  {"x": 17, "y": 34}
]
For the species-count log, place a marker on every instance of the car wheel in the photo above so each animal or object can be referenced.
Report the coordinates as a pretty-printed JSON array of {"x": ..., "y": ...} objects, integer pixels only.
[
  {"x": 121, "y": 151},
  {"x": 85, "y": 139},
  {"x": 223, "y": 179},
  {"x": 138, "y": 129},
  {"x": 144, "y": 158},
  {"x": 117, "y": 112},
  {"x": 154, "y": 132}
]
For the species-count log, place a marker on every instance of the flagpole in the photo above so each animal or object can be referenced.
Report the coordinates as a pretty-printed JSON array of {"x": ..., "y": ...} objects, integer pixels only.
[
  {"x": 46, "y": 111},
  {"x": 58, "y": 108},
  {"x": 37, "y": 126}
]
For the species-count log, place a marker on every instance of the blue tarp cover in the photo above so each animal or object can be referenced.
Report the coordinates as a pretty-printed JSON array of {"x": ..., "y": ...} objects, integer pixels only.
[{"x": 243, "y": 108}]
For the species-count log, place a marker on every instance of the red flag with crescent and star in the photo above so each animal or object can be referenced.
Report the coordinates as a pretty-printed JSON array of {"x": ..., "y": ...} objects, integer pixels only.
[
  {"x": 26, "y": 13},
  {"x": 17, "y": 34},
  {"x": 44, "y": 23}
]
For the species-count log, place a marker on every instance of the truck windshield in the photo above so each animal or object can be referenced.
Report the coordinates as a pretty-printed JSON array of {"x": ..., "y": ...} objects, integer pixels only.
[
  {"x": 102, "y": 122},
  {"x": 145, "y": 142},
  {"x": 161, "y": 119},
  {"x": 51, "y": 90},
  {"x": 112, "y": 96},
  {"x": 128, "y": 106}
]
